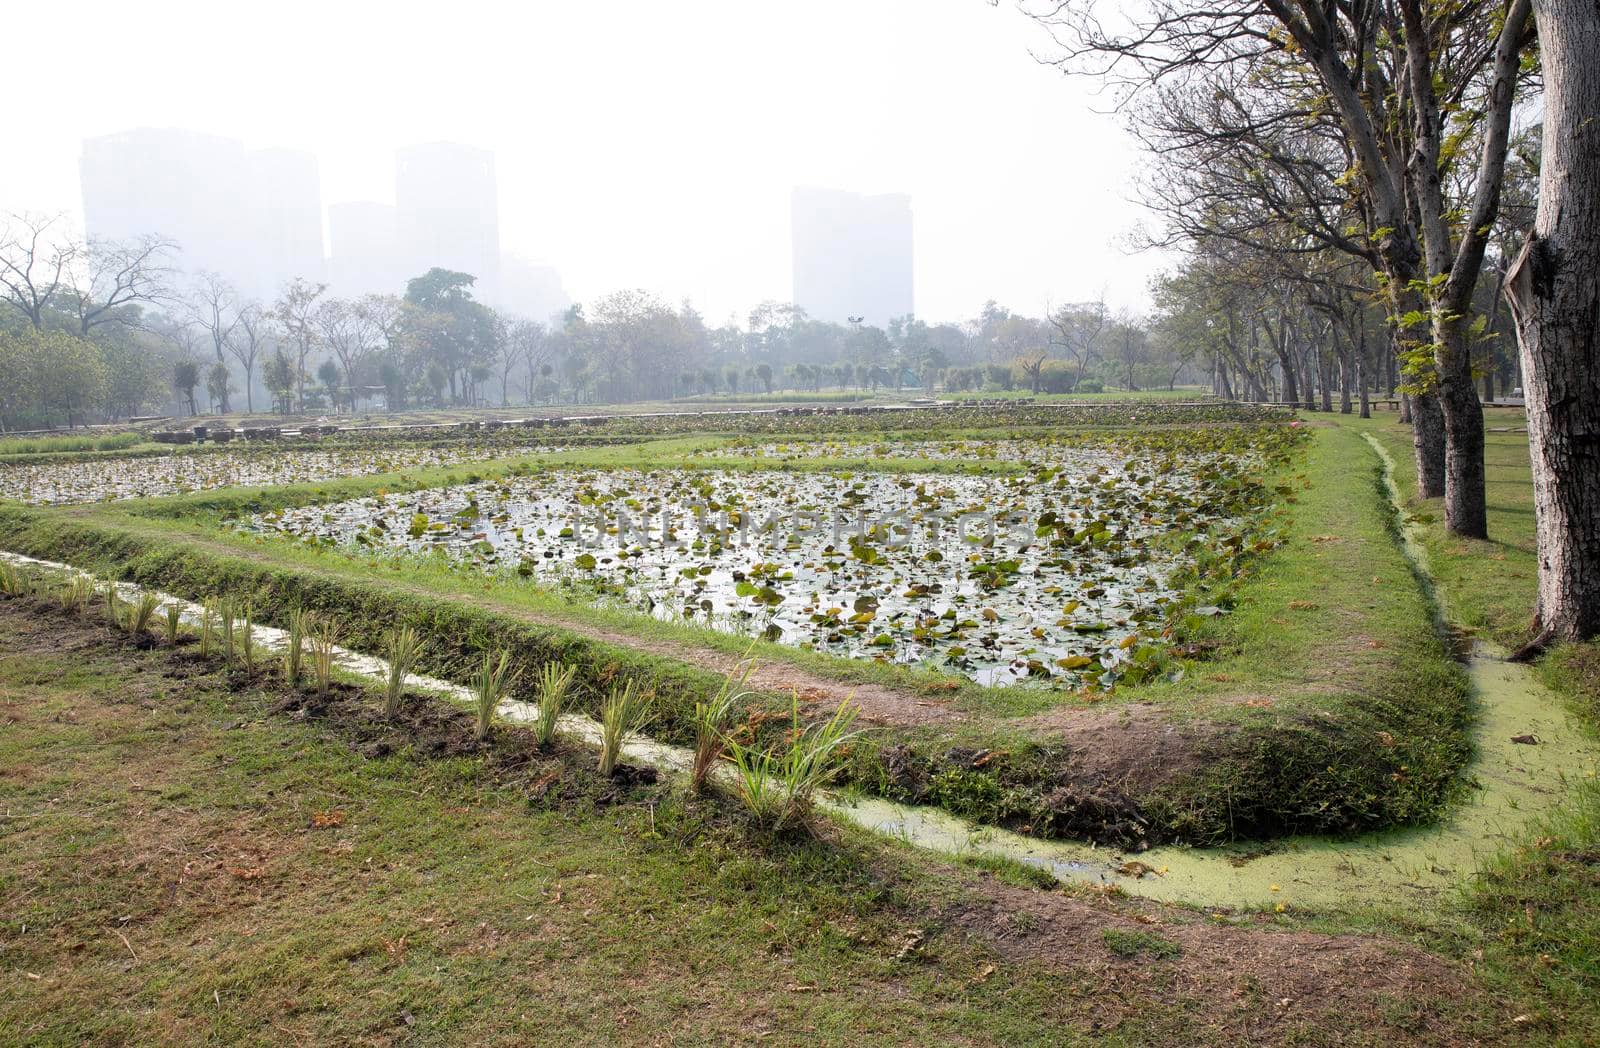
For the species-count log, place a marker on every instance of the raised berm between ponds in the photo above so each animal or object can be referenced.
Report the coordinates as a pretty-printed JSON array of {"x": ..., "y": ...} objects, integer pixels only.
[{"x": 1525, "y": 744}]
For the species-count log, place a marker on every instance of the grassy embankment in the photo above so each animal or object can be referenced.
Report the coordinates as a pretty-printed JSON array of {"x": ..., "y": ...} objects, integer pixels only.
[
  {"x": 1535, "y": 911},
  {"x": 192, "y": 854},
  {"x": 1316, "y": 660}
]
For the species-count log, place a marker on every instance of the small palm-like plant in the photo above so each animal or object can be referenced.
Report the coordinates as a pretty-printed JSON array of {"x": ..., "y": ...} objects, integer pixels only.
[
  {"x": 144, "y": 612},
  {"x": 711, "y": 719},
  {"x": 402, "y": 648},
  {"x": 554, "y": 682},
  {"x": 173, "y": 621},
  {"x": 489, "y": 686},
  {"x": 626, "y": 712},
  {"x": 301, "y": 623},
  {"x": 324, "y": 640}
]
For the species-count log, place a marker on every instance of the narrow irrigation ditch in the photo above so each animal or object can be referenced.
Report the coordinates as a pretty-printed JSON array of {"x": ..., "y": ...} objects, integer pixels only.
[{"x": 1525, "y": 747}]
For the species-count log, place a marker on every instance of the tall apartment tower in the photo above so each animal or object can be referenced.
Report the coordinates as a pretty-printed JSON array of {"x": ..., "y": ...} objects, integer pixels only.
[
  {"x": 253, "y": 216},
  {"x": 447, "y": 210},
  {"x": 365, "y": 241},
  {"x": 286, "y": 198},
  {"x": 852, "y": 255}
]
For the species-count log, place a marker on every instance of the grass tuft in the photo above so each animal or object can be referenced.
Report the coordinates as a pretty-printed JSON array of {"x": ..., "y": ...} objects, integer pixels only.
[
  {"x": 554, "y": 682},
  {"x": 489, "y": 687},
  {"x": 143, "y": 612},
  {"x": 711, "y": 719},
  {"x": 778, "y": 791},
  {"x": 324, "y": 640},
  {"x": 626, "y": 712},
  {"x": 402, "y": 648}
]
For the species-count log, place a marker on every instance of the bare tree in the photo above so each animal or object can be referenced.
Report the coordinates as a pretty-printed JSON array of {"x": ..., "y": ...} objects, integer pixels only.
[
  {"x": 250, "y": 339},
  {"x": 1078, "y": 328},
  {"x": 536, "y": 349},
  {"x": 214, "y": 306},
  {"x": 36, "y": 260},
  {"x": 296, "y": 310},
  {"x": 348, "y": 330},
  {"x": 112, "y": 276},
  {"x": 1411, "y": 86}
]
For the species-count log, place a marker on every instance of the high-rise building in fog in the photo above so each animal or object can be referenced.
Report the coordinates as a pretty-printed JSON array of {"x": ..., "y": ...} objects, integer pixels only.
[
  {"x": 852, "y": 255},
  {"x": 253, "y": 216},
  {"x": 286, "y": 203},
  {"x": 447, "y": 210},
  {"x": 365, "y": 242},
  {"x": 530, "y": 290}
]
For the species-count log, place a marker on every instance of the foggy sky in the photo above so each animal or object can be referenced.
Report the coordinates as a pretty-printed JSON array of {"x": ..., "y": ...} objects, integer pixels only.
[{"x": 639, "y": 144}]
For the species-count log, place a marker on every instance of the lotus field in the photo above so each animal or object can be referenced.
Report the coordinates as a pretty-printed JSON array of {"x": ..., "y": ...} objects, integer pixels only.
[{"x": 1038, "y": 560}]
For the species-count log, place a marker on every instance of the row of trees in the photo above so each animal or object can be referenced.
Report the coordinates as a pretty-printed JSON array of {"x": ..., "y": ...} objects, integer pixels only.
[
  {"x": 1352, "y": 193},
  {"x": 146, "y": 337}
]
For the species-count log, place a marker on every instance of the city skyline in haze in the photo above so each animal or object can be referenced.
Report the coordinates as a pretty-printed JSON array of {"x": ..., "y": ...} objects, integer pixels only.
[{"x": 1021, "y": 188}]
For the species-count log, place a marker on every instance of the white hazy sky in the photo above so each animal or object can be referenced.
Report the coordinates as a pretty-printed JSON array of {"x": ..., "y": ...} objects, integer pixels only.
[{"x": 639, "y": 143}]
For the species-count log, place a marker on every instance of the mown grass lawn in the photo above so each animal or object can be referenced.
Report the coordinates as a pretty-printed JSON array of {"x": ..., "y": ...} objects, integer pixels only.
[{"x": 186, "y": 859}]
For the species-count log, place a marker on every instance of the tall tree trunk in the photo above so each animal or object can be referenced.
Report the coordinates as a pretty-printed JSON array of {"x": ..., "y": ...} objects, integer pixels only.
[
  {"x": 1465, "y": 509},
  {"x": 1554, "y": 292},
  {"x": 1427, "y": 440},
  {"x": 1361, "y": 383}
]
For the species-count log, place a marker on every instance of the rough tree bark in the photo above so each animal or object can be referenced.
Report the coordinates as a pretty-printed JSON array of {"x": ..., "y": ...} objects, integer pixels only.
[{"x": 1554, "y": 293}]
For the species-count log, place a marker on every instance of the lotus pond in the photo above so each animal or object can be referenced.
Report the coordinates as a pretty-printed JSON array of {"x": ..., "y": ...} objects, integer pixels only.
[
  {"x": 113, "y": 479},
  {"x": 1064, "y": 572}
]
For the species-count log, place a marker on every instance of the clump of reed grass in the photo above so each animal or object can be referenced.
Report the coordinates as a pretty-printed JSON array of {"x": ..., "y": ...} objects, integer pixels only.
[
  {"x": 324, "y": 640},
  {"x": 227, "y": 612},
  {"x": 143, "y": 612},
  {"x": 626, "y": 711},
  {"x": 10, "y": 580},
  {"x": 74, "y": 593},
  {"x": 778, "y": 790},
  {"x": 208, "y": 626},
  {"x": 173, "y": 621},
  {"x": 402, "y": 647},
  {"x": 247, "y": 638},
  {"x": 711, "y": 719},
  {"x": 489, "y": 686},
  {"x": 113, "y": 605},
  {"x": 554, "y": 683},
  {"x": 301, "y": 624}
]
